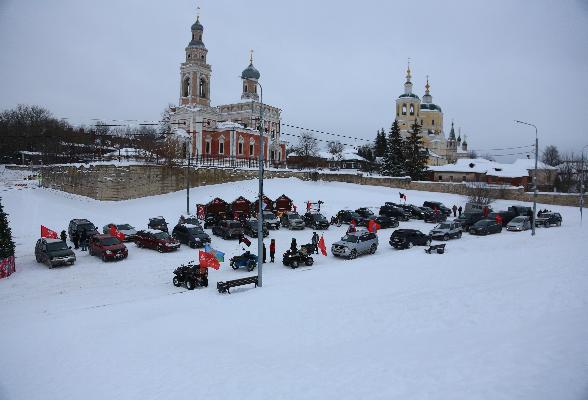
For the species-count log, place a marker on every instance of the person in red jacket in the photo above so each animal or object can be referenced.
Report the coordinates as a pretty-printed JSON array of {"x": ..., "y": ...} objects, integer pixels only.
[
  {"x": 272, "y": 249},
  {"x": 499, "y": 219}
]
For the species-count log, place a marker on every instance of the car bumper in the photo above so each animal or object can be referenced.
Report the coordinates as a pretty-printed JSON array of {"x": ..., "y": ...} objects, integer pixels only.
[
  {"x": 116, "y": 256},
  {"x": 297, "y": 226},
  {"x": 170, "y": 247},
  {"x": 340, "y": 251},
  {"x": 62, "y": 261},
  {"x": 514, "y": 228}
]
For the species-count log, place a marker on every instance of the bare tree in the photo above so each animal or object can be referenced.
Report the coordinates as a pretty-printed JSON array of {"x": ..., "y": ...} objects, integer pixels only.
[
  {"x": 551, "y": 156},
  {"x": 472, "y": 154},
  {"x": 165, "y": 125},
  {"x": 479, "y": 193},
  {"x": 568, "y": 168},
  {"x": 335, "y": 149}
]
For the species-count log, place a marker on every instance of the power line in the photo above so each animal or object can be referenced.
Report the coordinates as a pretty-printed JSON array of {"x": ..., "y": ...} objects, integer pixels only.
[{"x": 324, "y": 133}]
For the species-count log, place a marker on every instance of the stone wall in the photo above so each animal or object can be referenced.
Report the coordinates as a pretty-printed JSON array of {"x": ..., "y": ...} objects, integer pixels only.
[{"x": 109, "y": 182}]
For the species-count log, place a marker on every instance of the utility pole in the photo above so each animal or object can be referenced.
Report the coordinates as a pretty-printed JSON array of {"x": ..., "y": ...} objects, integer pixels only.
[{"x": 534, "y": 176}]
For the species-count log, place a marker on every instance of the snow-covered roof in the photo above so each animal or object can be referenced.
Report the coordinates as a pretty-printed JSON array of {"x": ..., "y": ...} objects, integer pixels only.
[
  {"x": 517, "y": 169},
  {"x": 49, "y": 240},
  {"x": 529, "y": 163},
  {"x": 478, "y": 165},
  {"x": 154, "y": 231},
  {"x": 190, "y": 226},
  {"x": 229, "y": 125}
]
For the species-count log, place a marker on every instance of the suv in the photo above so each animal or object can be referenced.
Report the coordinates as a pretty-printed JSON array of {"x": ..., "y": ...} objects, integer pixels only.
[
  {"x": 435, "y": 217},
  {"x": 355, "y": 243},
  {"x": 506, "y": 216},
  {"x": 446, "y": 231},
  {"x": 81, "y": 224},
  {"x": 382, "y": 220},
  {"x": 107, "y": 247},
  {"x": 439, "y": 205},
  {"x": 316, "y": 220},
  {"x": 485, "y": 227},
  {"x": 365, "y": 212},
  {"x": 406, "y": 238},
  {"x": 250, "y": 228},
  {"x": 548, "y": 219},
  {"x": 189, "y": 219},
  {"x": 192, "y": 235},
  {"x": 158, "y": 223},
  {"x": 228, "y": 229},
  {"x": 346, "y": 216},
  {"x": 390, "y": 210},
  {"x": 292, "y": 220},
  {"x": 157, "y": 240},
  {"x": 468, "y": 219},
  {"x": 271, "y": 220},
  {"x": 129, "y": 231},
  {"x": 54, "y": 252},
  {"x": 414, "y": 211}
]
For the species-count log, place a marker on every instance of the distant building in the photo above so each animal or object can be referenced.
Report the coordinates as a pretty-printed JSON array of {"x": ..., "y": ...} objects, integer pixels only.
[
  {"x": 348, "y": 160},
  {"x": 229, "y": 130}
]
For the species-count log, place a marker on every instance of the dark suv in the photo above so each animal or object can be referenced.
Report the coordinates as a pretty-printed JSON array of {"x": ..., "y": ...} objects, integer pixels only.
[
  {"x": 485, "y": 227},
  {"x": 346, "y": 216},
  {"x": 192, "y": 235},
  {"x": 406, "y": 238},
  {"x": 54, "y": 252},
  {"x": 468, "y": 219},
  {"x": 414, "y": 211},
  {"x": 250, "y": 228},
  {"x": 107, "y": 247},
  {"x": 383, "y": 221},
  {"x": 158, "y": 223},
  {"x": 548, "y": 219},
  {"x": 78, "y": 225},
  {"x": 439, "y": 205},
  {"x": 390, "y": 210},
  {"x": 316, "y": 220},
  {"x": 157, "y": 240},
  {"x": 292, "y": 220},
  {"x": 228, "y": 229}
]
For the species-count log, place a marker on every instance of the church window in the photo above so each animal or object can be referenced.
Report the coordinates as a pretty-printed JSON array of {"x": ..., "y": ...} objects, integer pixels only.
[
  {"x": 202, "y": 88},
  {"x": 186, "y": 87},
  {"x": 404, "y": 109},
  {"x": 200, "y": 37},
  {"x": 411, "y": 109},
  {"x": 440, "y": 178},
  {"x": 207, "y": 147},
  {"x": 245, "y": 88},
  {"x": 433, "y": 122},
  {"x": 422, "y": 121},
  {"x": 240, "y": 147},
  {"x": 251, "y": 149},
  {"x": 189, "y": 55},
  {"x": 221, "y": 146}
]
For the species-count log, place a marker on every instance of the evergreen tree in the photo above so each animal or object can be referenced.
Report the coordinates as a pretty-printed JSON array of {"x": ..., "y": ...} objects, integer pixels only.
[
  {"x": 415, "y": 153},
  {"x": 6, "y": 243},
  {"x": 394, "y": 163},
  {"x": 380, "y": 144}
]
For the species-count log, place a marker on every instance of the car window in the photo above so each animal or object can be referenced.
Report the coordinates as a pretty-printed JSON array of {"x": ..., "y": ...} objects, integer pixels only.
[
  {"x": 444, "y": 226},
  {"x": 56, "y": 246},
  {"x": 124, "y": 227},
  {"x": 161, "y": 235},
  {"x": 349, "y": 238},
  {"x": 109, "y": 241}
]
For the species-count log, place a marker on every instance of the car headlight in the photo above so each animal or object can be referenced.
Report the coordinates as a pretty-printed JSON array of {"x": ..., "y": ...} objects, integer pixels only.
[{"x": 108, "y": 252}]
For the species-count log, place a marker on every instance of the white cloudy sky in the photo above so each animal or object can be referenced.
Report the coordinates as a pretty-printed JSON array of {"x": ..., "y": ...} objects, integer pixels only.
[{"x": 331, "y": 65}]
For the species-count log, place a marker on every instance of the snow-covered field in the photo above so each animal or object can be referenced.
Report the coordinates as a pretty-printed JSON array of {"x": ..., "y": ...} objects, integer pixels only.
[{"x": 498, "y": 317}]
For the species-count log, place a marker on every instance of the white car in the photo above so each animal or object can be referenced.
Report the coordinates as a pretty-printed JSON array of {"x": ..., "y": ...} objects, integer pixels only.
[
  {"x": 129, "y": 231},
  {"x": 517, "y": 224}
]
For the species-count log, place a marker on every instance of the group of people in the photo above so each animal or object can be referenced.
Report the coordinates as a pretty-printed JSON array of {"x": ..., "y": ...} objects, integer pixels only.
[
  {"x": 80, "y": 240},
  {"x": 456, "y": 210}
]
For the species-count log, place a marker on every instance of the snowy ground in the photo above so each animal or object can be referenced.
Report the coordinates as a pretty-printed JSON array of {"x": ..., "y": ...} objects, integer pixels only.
[{"x": 498, "y": 317}]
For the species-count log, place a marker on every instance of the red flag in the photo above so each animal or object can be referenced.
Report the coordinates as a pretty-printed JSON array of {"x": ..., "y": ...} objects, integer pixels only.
[
  {"x": 373, "y": 226},
  {"x": 48, "y": 233},
  {"x": 207, "y": 260},
  {"x": 116, "y": 233},
  {"x": 322, "y": 246}
]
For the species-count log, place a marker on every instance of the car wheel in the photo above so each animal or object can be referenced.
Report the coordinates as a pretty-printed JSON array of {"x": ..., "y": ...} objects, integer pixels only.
[
  {"x": 446, "y": 237},
  {"x": 138, "y": 244},
  {"x": 250, "y": 265},
  {"x": 373, "y": 248},
  {"x": 37, "y": 258},
  {"x": 90, "y": 251},
  {"x": 234, "y": 265},
  {"x": 176, "y": 282},
  {"x": 558, "y": 223},
  {"x": 50, "y": 265},
  {"x": 294, "y": 264},
  {"x": 353, "y": 254},
  {"x": 190, "y": 284},
  {"x": 309, "y": 261}
]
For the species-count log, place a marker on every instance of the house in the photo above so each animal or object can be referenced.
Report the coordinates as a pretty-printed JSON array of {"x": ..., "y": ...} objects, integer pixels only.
[{"x": 347, "y": 159}]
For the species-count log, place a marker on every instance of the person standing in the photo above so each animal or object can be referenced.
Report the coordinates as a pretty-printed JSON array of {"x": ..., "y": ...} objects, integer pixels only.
[
  {"x": 454, "y": 211},
  {"x": 315, "y": 240},
  {"x": 459, "y": 210},
  {"x": 75, "y": 238},
  {"x": 293, "y": 245},
  {"x": 499, "y": 219},
  {"x": 84, "y": 240},
  {"x": 272, "y": 250},
  {"x": 264, "y": 251},
  {"x": 63, "y": 236}
]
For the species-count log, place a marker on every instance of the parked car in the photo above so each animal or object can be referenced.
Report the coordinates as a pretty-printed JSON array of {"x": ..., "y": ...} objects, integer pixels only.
[
  {"x": 77, "y": 225},
  {"x": 107, "y": 247},
  {"x": 382, "y": 220},
  {"x": 506, "y": 216},
  {"x": 316, "y": 220},
  {"x": 485, "y": 227},
  {"x": 228, "y": 229},
  {"x": 191, "y": 235},
  {"x": 129, "y": 231},
  {"x": 414, "y": 211},
  {"x": 158, "y": 223},
  {"x": 293, "y": 259},
  {"x": 439, "y": 205},
  {"x": 190, "y": 275},
  {"x": 390, "y": 210},
  {"x": 189, "y": 219},
  {"x": 365, "y": 212},
  {"x": 435, "y": 217},
  {"x": 211, "y": 220},
  {"x": 548, "y": 219},
  {"x": 446, "y": 231},
  {"x": 292, "y": 220},
  {"x": 521, "y": 211},
  {"x": 157, "y": 240},
  {"x": 406, "y": 238},
  {"x": 468, "y": 219},
  {"x": 54, "y": 252},
  {"x": 271, "y": 220},
  {"x": 355, "y": 243},
  {"x": 250, "y": 228},
  {"x": 517, "y": 224}
]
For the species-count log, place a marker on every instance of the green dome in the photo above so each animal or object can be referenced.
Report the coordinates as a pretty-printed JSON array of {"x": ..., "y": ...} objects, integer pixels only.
[
  {"x": 250, "y": 73},
  {"x": 414, "y": 96},
  {"x": 430, "y": 107},
  {"x": 197, "y": 26}
]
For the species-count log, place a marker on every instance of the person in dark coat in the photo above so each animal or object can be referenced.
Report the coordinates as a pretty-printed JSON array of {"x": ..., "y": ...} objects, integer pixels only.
[
  {"x": 272, "y": 250},
  {"x": 454, "y": 211},
  {"x": 75, "y": 238},
  {"x": 293, "y": 245},
  {"x": 84, "y": 240},
  {"x": 459, "y": 210},
  {"x": 264, "y": 251},
  {"x": 315, "y": 240},
  {"x": 63, "y": 236}
]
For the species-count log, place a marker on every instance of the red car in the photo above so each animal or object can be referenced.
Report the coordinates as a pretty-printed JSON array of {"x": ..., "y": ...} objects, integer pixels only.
[
  {"x": 157, "y": 240},
  {"x": 107, "y": 247}
]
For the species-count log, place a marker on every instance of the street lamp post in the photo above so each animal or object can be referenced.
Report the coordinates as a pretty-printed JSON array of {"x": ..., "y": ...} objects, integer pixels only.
[
  {"x": 534, "y": 176},
  {"x": 582, "y": 179}
]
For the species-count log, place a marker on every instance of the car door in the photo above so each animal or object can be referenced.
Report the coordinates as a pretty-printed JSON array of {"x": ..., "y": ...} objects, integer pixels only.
[{"x": 362, "y": 243}]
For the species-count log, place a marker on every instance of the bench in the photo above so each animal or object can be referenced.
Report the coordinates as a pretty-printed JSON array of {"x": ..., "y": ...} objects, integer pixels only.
[
  {"x": 225, "y": 287},
  {"x": 439, "y": 248}
]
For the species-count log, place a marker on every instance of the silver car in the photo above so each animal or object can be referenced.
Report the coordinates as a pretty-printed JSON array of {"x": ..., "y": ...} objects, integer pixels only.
[
  {"x": 292, "y": 220},
  {"x": 518, "y": 224},
  {"x": 446, "y": 231},
  {"x": 129, "y": 231},
  {"x": 271, "y": 220},
  {"x": 355, "y": 243}
]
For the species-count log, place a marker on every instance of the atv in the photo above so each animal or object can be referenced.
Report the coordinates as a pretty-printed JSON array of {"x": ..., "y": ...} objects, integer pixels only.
[
  {"x": 295, "y": 258},
  {"x": 246, "y": 259},
  {"x": 190, "y": 275}
]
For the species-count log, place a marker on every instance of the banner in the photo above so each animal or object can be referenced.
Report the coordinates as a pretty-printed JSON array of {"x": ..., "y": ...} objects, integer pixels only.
[
  {"x": 48, "y": 233},
  {"x": 322, "y": 246},
  {"x": 200, "y": 211},
  {"x": 207, "y": 260},
  {"x": 7, "y": 267},
  {"x": 373, "y": 226},
  {"x": 243, "y": 239},
  {"x": 116, "y": 233},
  {"x": 219, "y": 255}
]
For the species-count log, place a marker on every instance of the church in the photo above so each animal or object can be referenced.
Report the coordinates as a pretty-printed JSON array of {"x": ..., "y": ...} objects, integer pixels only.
[
  {"x": 410, "y": 108},
  {"x": 229, "y": 130}
]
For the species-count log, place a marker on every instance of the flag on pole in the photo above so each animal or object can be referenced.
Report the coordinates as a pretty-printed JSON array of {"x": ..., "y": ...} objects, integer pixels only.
[
  {"x": 116, "y": 233},
  {"x": 243, "y": 239},
  {"x": 48, "y": 233},
  {"x": 219, "y": 255},
  {"x": 402, "y": 196},
  {"x": 322, "y": 246},
  {"x": 207, "y": 260}
]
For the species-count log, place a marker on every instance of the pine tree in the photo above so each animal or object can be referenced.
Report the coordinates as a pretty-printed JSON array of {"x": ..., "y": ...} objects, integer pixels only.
[
  {"x": 394, "y": 163},
  {"x": 415, "y": 153},
  {"x": 6, "y": 243},
  {"x": 380, "y": 144}
]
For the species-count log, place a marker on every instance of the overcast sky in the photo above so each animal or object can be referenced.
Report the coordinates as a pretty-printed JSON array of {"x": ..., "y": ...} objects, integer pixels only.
[{"x": 333, "y": 65}]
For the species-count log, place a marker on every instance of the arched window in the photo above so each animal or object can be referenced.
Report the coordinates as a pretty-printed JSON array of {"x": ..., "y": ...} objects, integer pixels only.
[
  {"x": 240, "y": 146},
  {"x": 397, "y": 111},
  {"x": 433, "y": 122},
  {"x": 404, "y": 109},
  {"x": 251, "y": 148},
  {"x": 202, "y": 88},
  {"x": 411, "y": 109},
  {"x": 221, "y": 145},
  {"x": 186, "y": 87},
  {"x": 245, "y": 88},
  {"x": 208, "y": 146}
]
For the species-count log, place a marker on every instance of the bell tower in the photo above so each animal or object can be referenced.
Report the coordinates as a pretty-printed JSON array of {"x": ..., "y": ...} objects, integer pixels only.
[
  {"x": 250, "y": 76},
  {"x": 194, "y": 71}
]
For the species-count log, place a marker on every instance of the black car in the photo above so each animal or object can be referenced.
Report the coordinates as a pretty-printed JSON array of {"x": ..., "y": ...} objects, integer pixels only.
[
  {"x": 506, "y": 216},
  {"x": 158, "y": 223},
  {"x": 485, "y": 227},
  {"x": 228, "y": 229},
  {"x": 54, "y": 252},
  {"x": 211, "y": 220},
  {"x": 468, "y": 219},
  {"x": 78, "y": 225},
  {"x": 438, "y": 205},
  {"x": 250, "y": 228},
  {"x": 406, "y": 238},
  {"x": 548, "y": 219},
  {"x": 435, "y": 217},
  {"x": 365, "y": 212},
  {"x": 391, "y": 210},
  {"x": 315, "y": 220},
  {"x": 414, "y": 211},
  {"x": 346, "y": 216},
  {"x": 382, "y": 220},
  {"x": 192, "y": 235}
]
